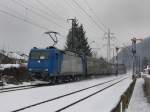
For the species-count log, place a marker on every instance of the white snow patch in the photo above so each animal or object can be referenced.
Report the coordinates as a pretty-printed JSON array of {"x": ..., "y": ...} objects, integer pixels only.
[
  {"x": 14, "y": 55},
  {"x": 102, "y": 102},
  {"x": 13, "y": 85},
  {"x": 3, "y": 66}
]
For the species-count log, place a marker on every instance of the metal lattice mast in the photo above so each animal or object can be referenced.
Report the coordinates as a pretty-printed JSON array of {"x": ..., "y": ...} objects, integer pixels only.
[{"x": 72, "y": 38}]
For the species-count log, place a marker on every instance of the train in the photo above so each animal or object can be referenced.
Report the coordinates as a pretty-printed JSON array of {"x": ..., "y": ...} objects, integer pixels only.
[{"x": 55, "y": 65}]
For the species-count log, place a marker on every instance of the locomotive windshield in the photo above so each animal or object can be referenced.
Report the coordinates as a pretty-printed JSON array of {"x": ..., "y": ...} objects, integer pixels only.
[{"x": 39, "y": 55}]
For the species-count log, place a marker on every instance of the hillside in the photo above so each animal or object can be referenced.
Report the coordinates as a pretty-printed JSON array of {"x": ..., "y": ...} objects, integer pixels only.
[{"x": 143, "y": 53}]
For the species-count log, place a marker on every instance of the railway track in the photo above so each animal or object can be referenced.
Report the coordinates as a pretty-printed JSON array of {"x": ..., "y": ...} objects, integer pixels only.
[
  {"x": 84, "y": 98},
  {"x": 18, "y": 88},
  {"x": 10, "y": 89},
  {"x": 112, "y": 83}
]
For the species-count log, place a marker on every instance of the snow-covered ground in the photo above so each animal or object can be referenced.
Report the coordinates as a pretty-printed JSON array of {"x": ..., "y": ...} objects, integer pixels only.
[
  {"x": 12, "y": 85},
  {"x": 3, "y": 66},
  {"x": 138, "y": 101},
  {"x": 103, "y": 102}
]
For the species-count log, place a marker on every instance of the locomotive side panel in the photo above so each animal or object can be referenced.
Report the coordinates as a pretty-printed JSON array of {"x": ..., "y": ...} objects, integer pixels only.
[{"x": 71, "y": 65}]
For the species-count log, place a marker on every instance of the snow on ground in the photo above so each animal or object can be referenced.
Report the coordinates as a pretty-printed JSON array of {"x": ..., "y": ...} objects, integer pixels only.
[
  {"x": 59, "y": 103},
  {"x": 9, "y": 65},
  {"x": 138, "y": 101},
  {"x": 13, "y": 85},
  {"x": 17, "y": 99},
  {"x": 3, "y": 66},
  {"x": 102, "y": 102}
]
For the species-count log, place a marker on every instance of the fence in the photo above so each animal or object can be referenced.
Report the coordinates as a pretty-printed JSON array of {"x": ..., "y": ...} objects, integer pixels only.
[
  {"x": 125, "y": 99},
  {"x": 147, "y": 86}
]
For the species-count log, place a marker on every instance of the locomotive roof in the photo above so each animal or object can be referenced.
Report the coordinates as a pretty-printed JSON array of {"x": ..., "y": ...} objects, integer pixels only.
[{"x": 64, "y": 51}]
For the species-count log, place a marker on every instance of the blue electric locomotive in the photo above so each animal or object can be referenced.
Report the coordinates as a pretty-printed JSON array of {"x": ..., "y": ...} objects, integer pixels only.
[{"x": 52, "y": 63}]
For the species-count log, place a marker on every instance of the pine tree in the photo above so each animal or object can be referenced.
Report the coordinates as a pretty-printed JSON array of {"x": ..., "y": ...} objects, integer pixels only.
[{"x": 79, "y": 44}]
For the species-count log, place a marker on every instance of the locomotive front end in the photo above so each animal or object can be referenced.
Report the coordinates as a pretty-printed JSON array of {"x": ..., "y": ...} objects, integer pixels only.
[{"x": 38, "y": 64}]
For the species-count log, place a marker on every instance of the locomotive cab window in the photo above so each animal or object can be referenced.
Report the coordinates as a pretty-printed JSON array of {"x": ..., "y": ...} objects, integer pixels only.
[{"x": 39, "y": 55}]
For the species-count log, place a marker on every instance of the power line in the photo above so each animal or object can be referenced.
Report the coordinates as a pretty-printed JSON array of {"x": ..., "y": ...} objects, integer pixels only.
[
  {"x": 12, "y": 10},
  {"x": 24, "y": 20},
  {"x": 46, "y": 7},
  {"x": 38, "y": 14},
  {"x": 89, "y": 16},
  {"x": 27, "y": 21},
  {"x": 91, "y": 9},
  {"x": 73, "y": 7}
]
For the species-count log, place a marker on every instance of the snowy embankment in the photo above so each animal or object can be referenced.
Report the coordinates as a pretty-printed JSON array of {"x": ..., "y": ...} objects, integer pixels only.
[
  {"x": 4, "y": 66},
  {"x": 104, "y": 101},
  {"x": 13, "y": 85},
  {"x": 138, "y": 101}
]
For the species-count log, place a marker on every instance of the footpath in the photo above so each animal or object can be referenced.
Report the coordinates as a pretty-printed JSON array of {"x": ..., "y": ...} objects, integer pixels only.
[{"x": 138, "y": 102}]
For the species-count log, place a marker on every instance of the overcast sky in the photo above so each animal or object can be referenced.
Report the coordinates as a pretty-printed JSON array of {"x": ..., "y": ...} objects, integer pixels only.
[{"x": 125, "y": 18}]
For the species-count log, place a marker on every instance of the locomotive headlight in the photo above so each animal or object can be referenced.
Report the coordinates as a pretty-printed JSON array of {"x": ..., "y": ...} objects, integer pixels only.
[
  {"x": 30, "y": 69},
  {"x": 46, "y": 70}
]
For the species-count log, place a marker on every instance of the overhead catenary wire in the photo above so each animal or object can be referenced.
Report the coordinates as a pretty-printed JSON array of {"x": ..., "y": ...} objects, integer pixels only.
[
  {"x": 21, "y": 3},
  {"x": 14, "y": 11},
  {"x": 92, "y": 19},
  {"x": 50, "y": 10},
  {"x": 93, "y": 12},
  {"x": 31, "y": 7},
  {"x": 29, "y": 22},
  {"x": 22, "y": 19},
  {"x": 73, "y": 6}
]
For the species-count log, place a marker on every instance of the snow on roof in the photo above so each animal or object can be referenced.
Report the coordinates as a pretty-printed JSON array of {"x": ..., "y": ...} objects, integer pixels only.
[
  {"x": 14, "y": 55},
  {"x": 3, "y": 52},
  {"x": 24, "y": 56}
]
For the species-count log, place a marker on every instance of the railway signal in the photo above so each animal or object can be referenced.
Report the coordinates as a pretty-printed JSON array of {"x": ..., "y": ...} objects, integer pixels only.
[{"x": 134, "y": 41}]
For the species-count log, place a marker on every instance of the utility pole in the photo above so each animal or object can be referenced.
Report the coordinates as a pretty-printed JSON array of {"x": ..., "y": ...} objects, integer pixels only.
[
  {"x": 133, "y": 53},
  {"x": 108, "y": 46},
  {"x": 117, "y": 49},
  {"x": 113, "y": 55},
  {"x": 109, "y": 37},
  {"x": 139, "y": 60},
  {"x": 72, "y": 39}
]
